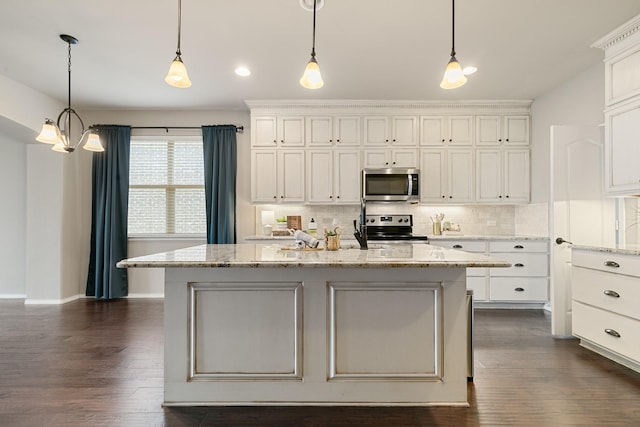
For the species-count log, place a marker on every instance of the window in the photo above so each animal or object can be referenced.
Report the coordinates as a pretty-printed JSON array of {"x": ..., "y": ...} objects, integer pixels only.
[{"x": 166, "y": 187}]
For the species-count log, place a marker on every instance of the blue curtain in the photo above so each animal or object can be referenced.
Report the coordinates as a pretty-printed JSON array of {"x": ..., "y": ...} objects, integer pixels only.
[
  {"x": 109, "y": 214},
  {"x": 220, "y": 154}
]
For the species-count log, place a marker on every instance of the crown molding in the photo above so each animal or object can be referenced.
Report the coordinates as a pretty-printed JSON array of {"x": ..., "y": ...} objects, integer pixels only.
[{"x": 619, "y": 34}]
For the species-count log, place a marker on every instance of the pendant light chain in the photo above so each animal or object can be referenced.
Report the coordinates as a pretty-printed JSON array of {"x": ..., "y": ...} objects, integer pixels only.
[
  {"x": 313, "y": 45},
  {"x": 179, "y": 25}
]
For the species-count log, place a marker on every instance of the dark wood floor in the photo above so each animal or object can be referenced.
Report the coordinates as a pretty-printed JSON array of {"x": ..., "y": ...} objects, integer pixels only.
[{"x": 93, "y": 363}]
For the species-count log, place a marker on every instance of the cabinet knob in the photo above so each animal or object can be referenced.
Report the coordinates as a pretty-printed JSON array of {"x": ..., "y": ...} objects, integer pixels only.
[
  {"x": 611, "y": 264},
  {"x": 450, "y": 140},
  {"x": 613, "y": 332},
  {"x": 331, "y": 140},
  {"x": 518, "y": 247},
  {"x": 612, "y": 294},
  {"x": 442, "y": 139},
  {"x": 331, "y": 197},
  {"x": 282, "y": 197},
  {"x": 507, "y": 196},
  {"x": 518, "y": 265},
  {"x": 386, "y": 140},
  {"x": 282, "y": 141},
  {"x": 394, "y": 140},
  {"x": 499, "y": 197},
  {"x": 519, "y": 289},
  {"x": 507, "y": 139},
  {"x": 337, "y": 197},
  {"x": 275, "y": 197},
  {"x": 500, "y": 140},
  {"x": 443, "y": 196},
  {"x": 457, "y": 246},
  {"x": 337, "y": 140},
  {"x": 451, "y": 197}
]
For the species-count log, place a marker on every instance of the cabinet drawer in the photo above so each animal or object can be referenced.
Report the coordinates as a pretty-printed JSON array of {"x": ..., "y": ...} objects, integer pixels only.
[
  {"x": 525, "y": 264},
  {"x": 463, "y": 245},
  {"x": 518, "y": 246},
  {"x": 613, "y": 292},
  {"x": 479, "y": 287},
  {"x": 592, "y": 323},
  {"x": 613, "y": 263},
  {"x": 519, "y": 289},
  {"x": 476, "y": 272}
]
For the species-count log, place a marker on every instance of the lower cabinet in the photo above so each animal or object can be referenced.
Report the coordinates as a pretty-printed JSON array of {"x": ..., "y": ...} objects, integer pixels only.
[
  {"x": 606, "y": 304},
  {"x": 525, "y": 282}
]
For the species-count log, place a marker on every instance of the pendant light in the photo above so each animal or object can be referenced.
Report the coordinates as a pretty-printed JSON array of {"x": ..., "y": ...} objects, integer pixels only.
[
  {"x": 311, "y": 79},
  {"x": 177, "y": 75},
  {"x": 60, "y": 137},
  {"x": 453, "y": 75}
]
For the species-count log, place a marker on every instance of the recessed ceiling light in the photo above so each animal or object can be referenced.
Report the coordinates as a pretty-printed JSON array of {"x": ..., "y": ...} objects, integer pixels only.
[
  {"x": 243, "y": 71},
  {"x": 308, "y": 4},
  {"x": 469, "y": 70}
]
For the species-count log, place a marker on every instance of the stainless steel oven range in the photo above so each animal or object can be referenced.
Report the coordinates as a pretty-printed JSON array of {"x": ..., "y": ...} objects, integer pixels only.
[{"x": 392, "y": 228}]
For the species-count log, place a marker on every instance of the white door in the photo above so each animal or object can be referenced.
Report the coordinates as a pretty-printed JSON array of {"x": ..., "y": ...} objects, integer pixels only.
[{"x": 578, "y": 210}]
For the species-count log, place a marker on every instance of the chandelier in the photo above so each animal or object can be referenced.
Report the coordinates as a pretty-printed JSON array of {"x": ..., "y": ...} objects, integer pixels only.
[{"x": 60, "y": 136}]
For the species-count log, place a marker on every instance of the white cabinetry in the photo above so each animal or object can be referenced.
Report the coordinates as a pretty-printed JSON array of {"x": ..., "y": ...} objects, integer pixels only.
[
  {"x": 446, "y": 130},
  {"x": 333, "y": 176},
  {"x": 502, "y": 130},
  {"x": 622, "y": 111},
  {"x": 446, "y": 175},
  {"x": 339, "y": 131},
  {"x": 527, "y": 280},
  {"x": 606, "y": 304},
  {"x": 502, "y": 175},
  {"x": 272, "y": 131},
  {"x": 402, "y": 132},
  {"x": 277, "y": 176},
  {"x": 391, "y": 158},
  {"x": 622, "y": 145},
  {"x": 477, "y": 278}
]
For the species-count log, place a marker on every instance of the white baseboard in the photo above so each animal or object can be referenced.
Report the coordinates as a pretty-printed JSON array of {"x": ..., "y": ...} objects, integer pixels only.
[
  {"x": 135, "y": 296},
  {"x": 33, "y": 301},
  {"x": 13, "y": 296}
]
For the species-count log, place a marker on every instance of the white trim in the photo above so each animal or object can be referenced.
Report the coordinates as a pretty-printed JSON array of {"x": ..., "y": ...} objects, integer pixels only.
[
  {"x": 30, "y": 301},
  {"x": 145, "y": 296},
  {"x": 13, "y": 296}
]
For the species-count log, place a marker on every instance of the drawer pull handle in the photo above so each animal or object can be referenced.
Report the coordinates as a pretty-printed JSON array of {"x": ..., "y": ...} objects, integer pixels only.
[
  {"x": 611, "y": 293},
  {"x": 518, "y": 247},
  {"x": 519, "y": 289},
  {"x": 612, "y": 332},
  {"x": 518, "y": 265},
  {"x": 457, "y": 246},
  {"x": 611, "y": 264}
]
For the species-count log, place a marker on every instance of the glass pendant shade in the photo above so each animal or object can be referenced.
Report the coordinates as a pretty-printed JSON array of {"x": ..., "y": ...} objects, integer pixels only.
[
  {"x": 50, "y": 134},
  {"x": 177, "y": 75},
  {"x": 311, "y": 79},
  {"x": 60, "y": 147},
  {"x": 453, "y": 75},
  {"x": 93, "y": 143}
]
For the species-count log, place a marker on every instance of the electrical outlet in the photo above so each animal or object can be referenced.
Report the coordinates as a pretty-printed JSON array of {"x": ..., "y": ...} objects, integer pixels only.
[{"x": 491, "y": 223}]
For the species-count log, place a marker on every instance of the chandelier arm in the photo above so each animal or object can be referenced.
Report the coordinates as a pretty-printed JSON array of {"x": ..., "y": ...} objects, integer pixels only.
[
  {"x": 313, "y": 45},
  {"x": 179, "y": 26},
  {"x": 453, "y": 27}
]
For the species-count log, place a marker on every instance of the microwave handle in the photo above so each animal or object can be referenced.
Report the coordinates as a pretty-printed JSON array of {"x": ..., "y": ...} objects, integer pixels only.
[{"x": 410, "y": 181}]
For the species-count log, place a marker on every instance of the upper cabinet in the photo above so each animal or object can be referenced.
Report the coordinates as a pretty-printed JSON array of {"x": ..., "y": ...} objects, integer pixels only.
[
  {"x": 399, "y": 131},
  {"x": 272, "y": 131},
  {"x": 622, "y": 111},
  {"x": 313, "y": 151},
  {"x": 446, "y": 130},
  {"x": 339, "y": 131},
  {"x": 502, "y": 130}
]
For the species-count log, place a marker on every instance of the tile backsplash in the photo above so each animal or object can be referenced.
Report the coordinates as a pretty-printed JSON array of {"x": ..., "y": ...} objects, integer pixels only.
[{"x": 473, "y": 219}]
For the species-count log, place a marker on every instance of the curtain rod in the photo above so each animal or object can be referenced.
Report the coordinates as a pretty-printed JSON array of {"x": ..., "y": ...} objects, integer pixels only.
[{"x": 239, "y": 129}]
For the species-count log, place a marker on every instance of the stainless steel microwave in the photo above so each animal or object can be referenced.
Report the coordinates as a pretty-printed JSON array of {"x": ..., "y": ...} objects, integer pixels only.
[{"x": 391, "y": 185}]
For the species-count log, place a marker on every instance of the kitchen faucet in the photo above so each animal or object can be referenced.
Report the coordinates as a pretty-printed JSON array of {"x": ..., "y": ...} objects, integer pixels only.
[{"x": 361, "y": 232}]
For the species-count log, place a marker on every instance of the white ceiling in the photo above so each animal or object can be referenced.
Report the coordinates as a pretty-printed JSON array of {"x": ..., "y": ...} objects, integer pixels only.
[{"x": 366, "y": 49}]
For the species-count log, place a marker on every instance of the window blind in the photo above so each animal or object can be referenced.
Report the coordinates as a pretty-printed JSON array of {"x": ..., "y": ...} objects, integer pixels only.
[{"x": 166, "y": 187}]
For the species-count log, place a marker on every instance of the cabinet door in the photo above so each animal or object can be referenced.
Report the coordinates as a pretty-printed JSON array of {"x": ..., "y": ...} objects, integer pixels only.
[
  {"x": 404, "y": 131},
  {"x": 291, "y": 131},
  {"x": 376, "y": 158},
  {"x": 622, "y": 150},
  {"x": 347, "y": 130},
  {"x": 263, "y": 132},
  {"x": 291, "y": 175},
  {"x": 460, "y": 176},
  {"x": 432, "y": 130},
  {"x": 516, "y": 175},
  {"x": 401, "y": 158},
  {"x": 488, "y": 130},
  {"x": 516, "y": 130},
  {"x": 263, "y": 176},
  {"x": 346, "y": 173},
  {"x": 460, "y": 130},
  {"x": 488, "y": 176},
  {"x": 376, "y": 130},
  {"x": 433, "y": 176},
  {"x": 319, "y": 131},
  {"x": 319, "y": 176}
]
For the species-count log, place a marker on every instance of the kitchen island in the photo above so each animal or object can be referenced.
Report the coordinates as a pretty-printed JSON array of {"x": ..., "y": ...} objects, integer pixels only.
[{"x": 262, "y": 324}]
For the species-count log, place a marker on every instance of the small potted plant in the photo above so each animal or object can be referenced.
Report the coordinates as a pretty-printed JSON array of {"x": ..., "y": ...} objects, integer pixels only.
[{"x": 332, "y": 239}]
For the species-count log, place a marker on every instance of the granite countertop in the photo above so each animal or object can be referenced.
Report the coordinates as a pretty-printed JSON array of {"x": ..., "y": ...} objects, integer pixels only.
[
  {"x": 628, "y": 249},
  {"x": 431, "y": 237},
  {"x": 250, "y": 255}
]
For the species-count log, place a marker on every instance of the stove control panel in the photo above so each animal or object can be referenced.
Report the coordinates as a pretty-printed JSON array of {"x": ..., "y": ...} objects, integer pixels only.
[{"x": 390, "y": 220}]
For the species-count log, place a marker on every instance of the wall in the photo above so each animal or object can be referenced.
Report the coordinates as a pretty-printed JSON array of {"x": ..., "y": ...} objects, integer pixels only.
[{"x": 13, "y": 222}]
